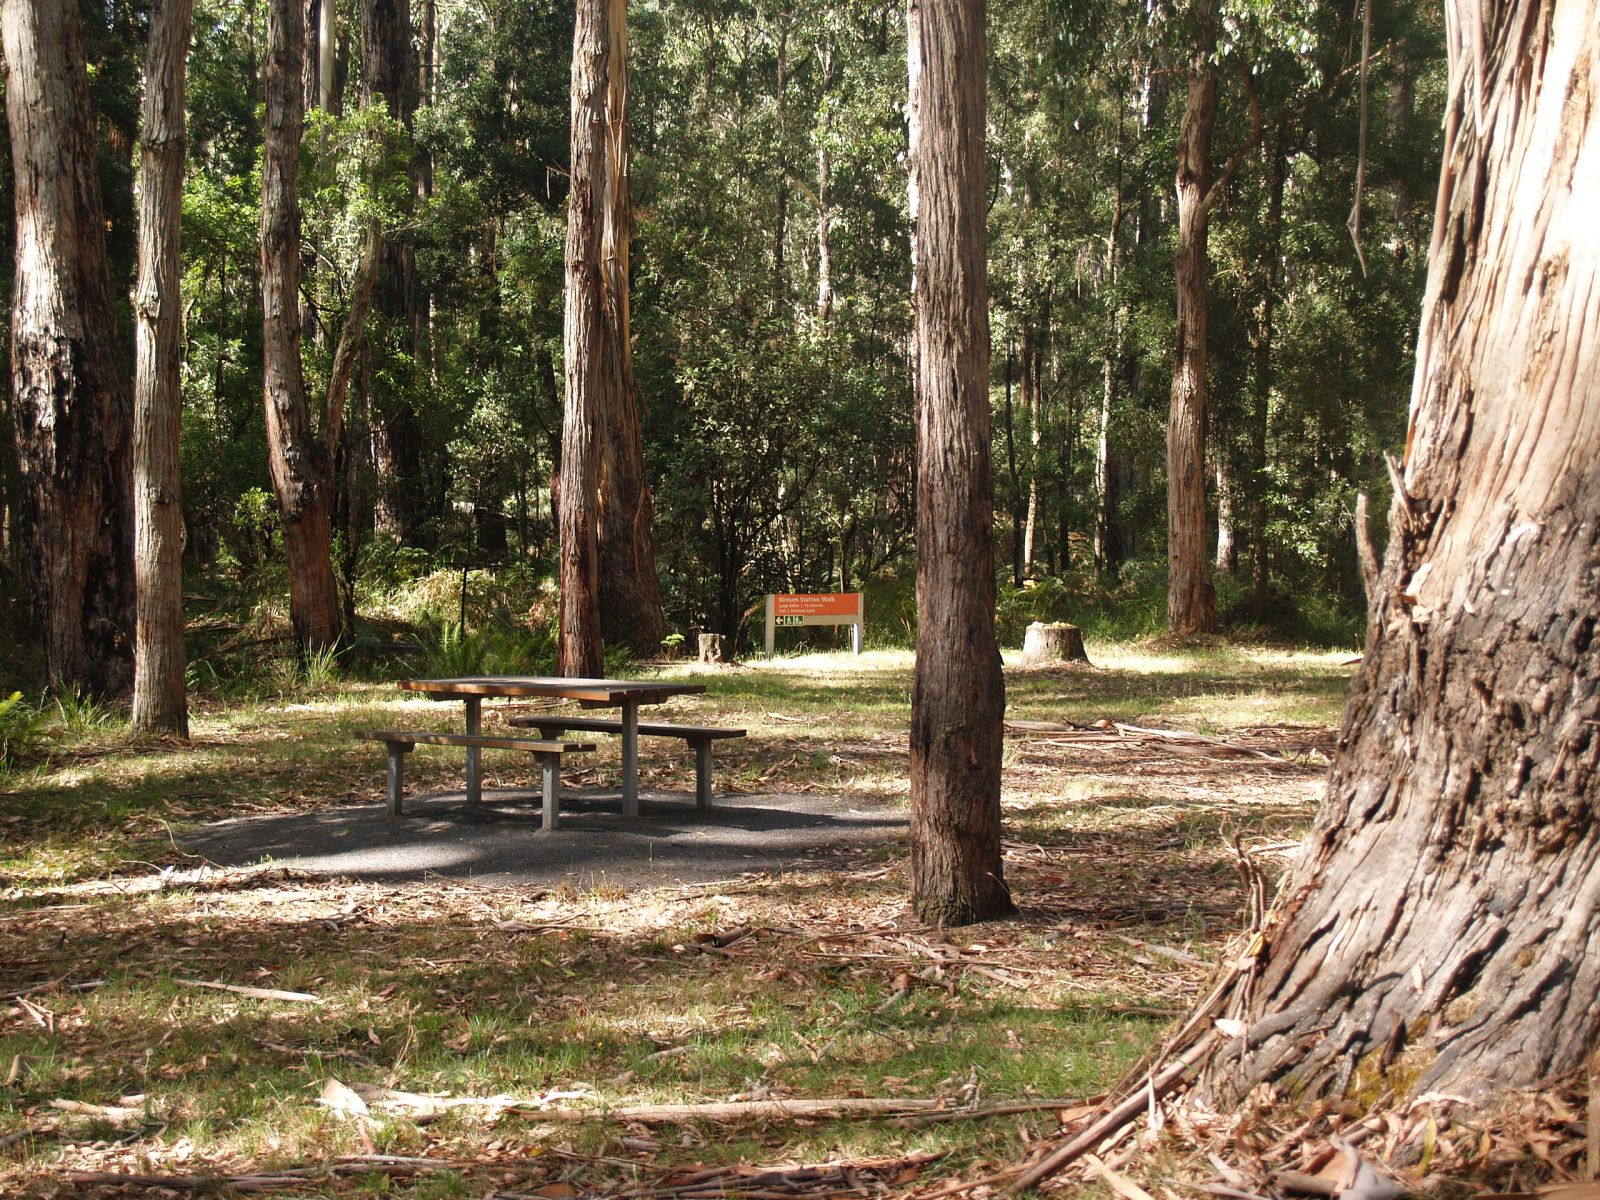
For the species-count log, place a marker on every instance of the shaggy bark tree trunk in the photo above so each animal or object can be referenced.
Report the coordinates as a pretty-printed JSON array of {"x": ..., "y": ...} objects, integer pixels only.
[
  {"x": 159, "y": 700},
  {"x": 1191, "y": 601},
  {"x": 958, "y": 694},
  {"x": 600, "y": 383},
  {"x": 71, "y": 397},
  {"x": 1439, "y": 932},
  {"x": 592, "y": 318},
  {"x": 301, "y": 465}
]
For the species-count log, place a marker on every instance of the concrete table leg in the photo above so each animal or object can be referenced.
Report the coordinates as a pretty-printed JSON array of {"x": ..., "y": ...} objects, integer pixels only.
[
  {"x": 474, "y": 726},
  {"x": 551, "y": 767},
  {"x": 702, "y": 773},
  {"x": 397, "y": 777},
  {"x": 630, "y": 758}
]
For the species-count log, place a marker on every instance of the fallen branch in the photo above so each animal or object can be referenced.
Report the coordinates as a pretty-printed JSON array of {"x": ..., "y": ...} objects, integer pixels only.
[
  {"x": 804, "y": 1110},
  {"x": 1116, "y": 1117},
  {"x": 264, "y": 1181},
  {"x": 255, "y": 992}
]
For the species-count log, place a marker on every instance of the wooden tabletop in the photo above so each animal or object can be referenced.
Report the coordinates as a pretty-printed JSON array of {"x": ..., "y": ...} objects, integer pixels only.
[{"x": 596, "y": 691}]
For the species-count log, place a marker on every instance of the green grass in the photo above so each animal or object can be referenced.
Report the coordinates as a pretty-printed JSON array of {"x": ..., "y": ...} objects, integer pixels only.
[{"x": 610, "y": 993}]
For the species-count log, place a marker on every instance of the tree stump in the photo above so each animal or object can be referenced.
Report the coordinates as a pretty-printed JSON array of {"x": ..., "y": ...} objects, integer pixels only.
[
  {"x": 714, "y": 648},
  {"x": 1052, "y": 643}
]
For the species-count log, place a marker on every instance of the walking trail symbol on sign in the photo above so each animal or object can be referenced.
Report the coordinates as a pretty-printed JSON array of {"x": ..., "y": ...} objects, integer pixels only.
[{"x": 815, "y": 608}]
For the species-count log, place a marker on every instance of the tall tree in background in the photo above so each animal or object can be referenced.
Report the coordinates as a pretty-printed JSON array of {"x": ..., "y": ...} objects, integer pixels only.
[
  {"x": 958, "y": 694},
  {"x": 630, "y": 603},
  {"x": 594, "y": 311},
  {"x": 300, "y": 460},
  {"x": 1445, "y": 913},
  {"x": 1191, "y": 599},
  {"x": 71, "y": 398},
  {"x": 159, "y": 701},
  {"x": 389, "y": 73},
  {"x": 608, "y": 562}
]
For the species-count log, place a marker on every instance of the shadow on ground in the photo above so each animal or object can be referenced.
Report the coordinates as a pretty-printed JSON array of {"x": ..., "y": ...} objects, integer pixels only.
[{"x": 500, "y": 840}]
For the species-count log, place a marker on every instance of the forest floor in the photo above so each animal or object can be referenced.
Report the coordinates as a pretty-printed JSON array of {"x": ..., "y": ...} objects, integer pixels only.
[{"x": 173, "y": 1026}]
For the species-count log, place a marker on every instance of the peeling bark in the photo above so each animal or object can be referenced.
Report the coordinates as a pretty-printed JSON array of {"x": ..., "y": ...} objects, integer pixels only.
[{"x": 1439, "y": 932}]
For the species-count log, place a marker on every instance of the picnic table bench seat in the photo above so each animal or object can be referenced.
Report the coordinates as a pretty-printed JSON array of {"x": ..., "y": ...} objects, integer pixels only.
[
  {"x": 401, "y": 742},
  {"x": 698, "y": 736}
]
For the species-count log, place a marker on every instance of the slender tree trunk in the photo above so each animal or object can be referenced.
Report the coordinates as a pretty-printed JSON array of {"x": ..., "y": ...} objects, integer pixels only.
[
  {"x": 780, "y": 232},
  {"x": 958, "y": 693},
  {"x": 1439, "y": 932},
  {"x": 1191, "y": 602},
  {"x": 71, "y": 396},
  {"x": 1107, "y": 540},
  {"x": 389, "y": 73},
  {"x": 825, "y": 191},
  {"x": 301, "y": 465},
  {"x": 1011, "y": 468},
  {"x": 1261, "y": 350},
  {"x": 1032, "y": 387},
  {"x": 1227, "y": 543},
  {"x": 159, "y": 699}
]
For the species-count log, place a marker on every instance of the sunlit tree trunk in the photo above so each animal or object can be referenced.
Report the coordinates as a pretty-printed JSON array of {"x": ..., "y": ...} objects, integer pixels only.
[
  {"x": 1191, "y": 602},
  {"x": 958, "y": 694},
  {"x": 300, "y": 462},
  {"x": 1261, "y": 351},
  {"x": 1439, "y": 932},
  {"x": 825, "y": 191},
  {"x": 159, "y": 698},
  {"x": 1227, "y": 543},
  {"x": 70, "y": 382}
]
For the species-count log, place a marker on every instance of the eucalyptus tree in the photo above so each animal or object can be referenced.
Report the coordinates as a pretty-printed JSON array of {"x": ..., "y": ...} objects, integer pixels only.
[
  {"x": 159, "y": 697},
  {"x": 608, "y": 562},
  {"x": 1437, "y": 934},
  {"x": 958, "y": 694},
  {"x": 71, "y": 400}
]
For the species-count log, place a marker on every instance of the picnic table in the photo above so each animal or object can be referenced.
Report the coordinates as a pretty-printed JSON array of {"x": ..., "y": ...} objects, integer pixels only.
[{"x": 628, "y": 694}]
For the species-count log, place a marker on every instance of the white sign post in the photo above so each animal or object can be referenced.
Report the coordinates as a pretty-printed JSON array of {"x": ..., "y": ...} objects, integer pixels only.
[{"x": 795, "y": 610}]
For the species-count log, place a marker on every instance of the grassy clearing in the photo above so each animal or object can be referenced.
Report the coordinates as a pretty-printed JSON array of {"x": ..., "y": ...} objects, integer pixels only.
[{"x": 824, "y": 987}]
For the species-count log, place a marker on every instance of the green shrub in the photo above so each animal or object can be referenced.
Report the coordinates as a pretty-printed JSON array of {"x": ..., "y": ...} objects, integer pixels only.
[{"x": 20, "y": 727}]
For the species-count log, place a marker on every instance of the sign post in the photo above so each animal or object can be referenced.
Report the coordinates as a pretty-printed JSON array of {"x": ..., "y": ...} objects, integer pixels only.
[{"x": 815, "y": 608}]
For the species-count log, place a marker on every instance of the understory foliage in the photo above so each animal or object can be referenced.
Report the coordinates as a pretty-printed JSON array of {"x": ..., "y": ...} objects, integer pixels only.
[{"x": 771, "y": 290}]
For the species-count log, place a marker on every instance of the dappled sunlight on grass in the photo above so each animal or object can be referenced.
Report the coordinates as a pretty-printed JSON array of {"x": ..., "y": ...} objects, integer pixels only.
[{"x": 808, "y": 982}]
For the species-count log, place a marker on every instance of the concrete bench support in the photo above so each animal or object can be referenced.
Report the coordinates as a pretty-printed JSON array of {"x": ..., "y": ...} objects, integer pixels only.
[
  {"x": 700, "y": 737},
  {"x": 400, "y": 743}
]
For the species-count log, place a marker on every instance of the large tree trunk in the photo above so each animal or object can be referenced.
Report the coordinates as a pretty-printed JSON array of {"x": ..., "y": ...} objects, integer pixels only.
[
  {"x": 300, "y": 462},
  {"x": 72, "y": 404},
  {"x": 958, "y": 694},
  {"x": 1191, "y": 602},
  {"x": 594, "y": 360},
  {"x": 1439, "y": 933},
  {"x": 600, "y": 384},
  {"x": 159, "y": 699}
]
